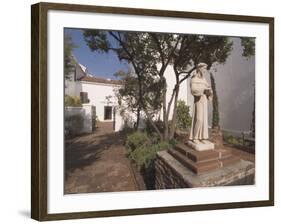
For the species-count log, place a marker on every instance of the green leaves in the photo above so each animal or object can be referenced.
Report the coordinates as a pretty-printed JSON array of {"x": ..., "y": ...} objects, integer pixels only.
[
  {"x": 216, "y": 115},
  {"x": 70, "y": 101},
  {"x": 69, "y": 62},
  {"x": 149, "y": 54},
  {"x": 201, "y": 48},
  {"x": 97, "y": 40},
  {"x": 248, "y": 44},
  {"x": 183, "y": 117},
  {"x": 143, "y": 149}
]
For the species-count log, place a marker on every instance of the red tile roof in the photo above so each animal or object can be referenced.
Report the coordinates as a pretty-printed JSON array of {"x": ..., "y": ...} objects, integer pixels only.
[{"x": 100, "y": 80}]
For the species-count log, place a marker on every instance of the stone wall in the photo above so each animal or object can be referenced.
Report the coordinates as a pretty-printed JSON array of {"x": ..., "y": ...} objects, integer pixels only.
[
  {"x": 170, "y": 174},
  {"x": 83, "y": 124},
  {"x": 166, "y": 175}
]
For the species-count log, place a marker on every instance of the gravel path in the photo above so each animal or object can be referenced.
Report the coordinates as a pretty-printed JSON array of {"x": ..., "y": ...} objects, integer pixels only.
[{"x": 98, "y": 163}]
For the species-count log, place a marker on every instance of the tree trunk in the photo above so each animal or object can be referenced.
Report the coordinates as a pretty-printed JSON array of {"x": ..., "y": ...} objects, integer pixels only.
[
  {"x": 165, "y": 115},
  {"x": 153, "y": 124},
  {"x": 140, "y": 100},
  {"x": 138, "y": 117},
  {"x": 174, "y": 98},
  {"x": 216, "y": 115},
  {"x": 253, "y": 123},
  {"x": 174, "y": 118}
]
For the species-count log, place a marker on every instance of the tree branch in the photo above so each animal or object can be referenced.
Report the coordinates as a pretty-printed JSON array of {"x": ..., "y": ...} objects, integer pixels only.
[
  {"x": 153, "y": 35},
  {"x": 126, "y": 50},
  {"x": 188, "y": 74}
]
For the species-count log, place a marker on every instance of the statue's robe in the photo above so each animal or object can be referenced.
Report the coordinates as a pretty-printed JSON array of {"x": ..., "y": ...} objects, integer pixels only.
[{"x": 199, "y": 126}]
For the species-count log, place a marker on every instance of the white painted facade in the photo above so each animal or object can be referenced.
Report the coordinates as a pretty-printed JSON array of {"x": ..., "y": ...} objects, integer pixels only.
[
  {"x": 99, "y": 94},
  {"x": 103, "y": 94},
  {"x": 184, "y": 95}
]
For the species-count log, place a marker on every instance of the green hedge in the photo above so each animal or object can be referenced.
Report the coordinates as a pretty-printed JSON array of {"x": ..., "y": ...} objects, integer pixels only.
[
  {"x": 73, "y": 125},
  {"x": 70, "y": 101},
  {"x": 142, "y": 148},
  {"x": 183, "y": 117},
  {"x": 136, "y": 140}
]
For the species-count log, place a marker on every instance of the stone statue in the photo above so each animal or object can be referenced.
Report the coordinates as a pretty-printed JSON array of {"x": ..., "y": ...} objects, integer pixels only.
[{"x": 202, "y": 92}]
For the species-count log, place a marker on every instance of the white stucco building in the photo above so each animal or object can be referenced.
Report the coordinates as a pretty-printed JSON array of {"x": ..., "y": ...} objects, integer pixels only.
[{"x": 98, "y": 97}]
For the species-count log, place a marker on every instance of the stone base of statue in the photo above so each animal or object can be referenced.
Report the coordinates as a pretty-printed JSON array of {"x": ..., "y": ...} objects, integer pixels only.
[
  {"x": 200, "y": 146},
  {"x": 202, "y": 161},
  {"x": 185, "y": 166},
  {"x": 171, "y": 173}
]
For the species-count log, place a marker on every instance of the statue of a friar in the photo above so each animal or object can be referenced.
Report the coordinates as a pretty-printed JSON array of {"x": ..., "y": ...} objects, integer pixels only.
[{"x": 202, "y": 92}]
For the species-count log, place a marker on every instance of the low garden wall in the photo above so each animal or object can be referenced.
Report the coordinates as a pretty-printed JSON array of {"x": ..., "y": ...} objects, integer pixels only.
[
  {"x": 78, "y": 120},
  {"x": 171, "y": 174}
]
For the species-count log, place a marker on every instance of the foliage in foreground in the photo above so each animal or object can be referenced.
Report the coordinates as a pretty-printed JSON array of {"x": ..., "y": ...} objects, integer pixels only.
[
  {"x": 73, "y": 125},
  {"x": 215, "y": 101},
  {"x": 70, "y": 101},
  {"x": 183, "y": 117},
  {"x": 232, "y": 140},
  {"x": 69, "y": 61},
  {"x": 142, "y": 148}
]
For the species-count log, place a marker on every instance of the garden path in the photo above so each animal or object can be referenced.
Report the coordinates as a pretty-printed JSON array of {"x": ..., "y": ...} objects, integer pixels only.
[{"x": 98, "y": 163}]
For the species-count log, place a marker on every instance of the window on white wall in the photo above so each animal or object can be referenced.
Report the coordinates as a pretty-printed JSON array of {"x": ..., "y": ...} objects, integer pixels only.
[{"x": 84, "y": 97}]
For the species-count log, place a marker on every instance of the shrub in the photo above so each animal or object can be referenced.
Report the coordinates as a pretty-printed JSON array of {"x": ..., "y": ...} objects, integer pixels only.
[
  {"x": 144, "y": 156},
  {"x": 70, "y": 101},
  {"x": 184, "y": 119},
  {"x": 73, "y": 125},
  {"x": 230, "y": 139},
  {"x": 173, "y": 142},
  {"x": 150, "y": 129},
  {"x": 136, "y": 140},
  {"x": 143, "y": 149}
]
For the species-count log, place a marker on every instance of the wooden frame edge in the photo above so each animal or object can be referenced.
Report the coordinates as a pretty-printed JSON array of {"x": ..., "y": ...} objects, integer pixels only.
[
  {"x": 153, "y": 12},
  {"x": 271, "y": 111},
  {"x": 35, "y": 190},
  {"x": 38, "y": 112}
]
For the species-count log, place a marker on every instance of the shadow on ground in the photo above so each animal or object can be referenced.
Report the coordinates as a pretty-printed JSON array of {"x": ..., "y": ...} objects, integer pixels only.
[
  {"x": 98, "y": 163},
  {"x": 85, "y": 150}
]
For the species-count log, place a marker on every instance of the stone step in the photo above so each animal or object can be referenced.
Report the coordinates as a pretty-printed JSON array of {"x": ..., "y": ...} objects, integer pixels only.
[
  {"x": 225, "y": 158},
  {"x": 197, "y": 168},
  {"x": 229, "y": 161},
  {"x": 203, "y": 156},
  {"x": 172, "y": 174},
  {"x": 224, "y": 153},
  {"x": 197, "y": 156}
]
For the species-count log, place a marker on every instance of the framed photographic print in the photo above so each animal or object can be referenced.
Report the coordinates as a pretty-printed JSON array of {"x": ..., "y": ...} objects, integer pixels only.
[{"x": 138, "y": 111}]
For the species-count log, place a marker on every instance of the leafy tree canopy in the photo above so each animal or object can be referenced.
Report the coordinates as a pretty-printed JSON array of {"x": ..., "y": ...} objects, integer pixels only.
[
  {"x": 149, "y": 54},
  {"x": 68, "y": 56},
  {"x": 248, "y": 44}
]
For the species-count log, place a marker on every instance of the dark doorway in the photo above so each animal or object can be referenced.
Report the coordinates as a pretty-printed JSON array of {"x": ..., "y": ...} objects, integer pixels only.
[
  {"x": 94, "y": 118},
  {"x": 107, "y": 113},
  {"x": 114, "y": 120}
]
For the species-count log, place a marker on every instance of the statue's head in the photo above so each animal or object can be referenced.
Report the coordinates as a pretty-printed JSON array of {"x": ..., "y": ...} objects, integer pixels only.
[{"x": 201, "y": 68}]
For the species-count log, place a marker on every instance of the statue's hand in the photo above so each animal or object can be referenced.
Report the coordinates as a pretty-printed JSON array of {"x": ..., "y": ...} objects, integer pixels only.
[{"x": 208, "y": 92}]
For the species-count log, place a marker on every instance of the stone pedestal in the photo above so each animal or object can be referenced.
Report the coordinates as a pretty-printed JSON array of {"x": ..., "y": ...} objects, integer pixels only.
[
  {"x": 216, "y": 137},
  {"x": 172, "y": 172},
  {"x": 202, "y": 161},
  {"x": 201, "y": 146}
]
